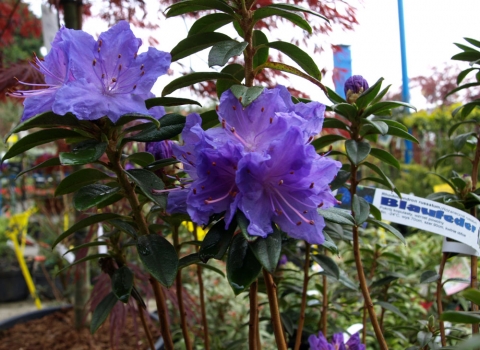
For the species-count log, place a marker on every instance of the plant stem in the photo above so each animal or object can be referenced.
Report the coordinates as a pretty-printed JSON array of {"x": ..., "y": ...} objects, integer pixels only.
[
  {"x": 323, "y": 319},
  {"x": 202, "y": 295},
  {"x": 253, "y": 322},
  {"x": 439, "y": 298},
  {"x": 274, "y": 312},
  {"x": 145, "y": 326},
  {"x": 301, "y": 320},
  {"x": 162, "y": 313},
  {"x": 364, "y": 323},
  {"x": 179, "y": 285}
]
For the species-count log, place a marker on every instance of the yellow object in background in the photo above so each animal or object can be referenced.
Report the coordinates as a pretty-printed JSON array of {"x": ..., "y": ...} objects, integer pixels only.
[
  {"x": 200, "y": 231},
  {"x": 443, "y": 188}
]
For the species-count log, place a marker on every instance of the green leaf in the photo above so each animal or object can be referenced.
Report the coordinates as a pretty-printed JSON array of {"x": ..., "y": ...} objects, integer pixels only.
[
  {"x": 127, "y": 227},
  {"x": 388, "y": 228},
  {"x": 141, "y": 158},
  {"x": 384, "y": 106},
  {"x": 79, "y": 179},
  {"x": 222, "y": 51},
  {"x": 400, "y": 133},
  {"x": 187, "y": 6},
  {"x": 48, "y": 163},
  {"x": 326, "y": 140},
  {"x": 335, "y": 123},
  {"x": 159, "y": 257},
  {"x": 261, "y": 53},
  {"x": 127, "y": 118},
  {"x": 463, "y": 74},
  {"x": 378, "y": 126},
  {"x": 209, "y": 23},
  {"x": 217, "y": 240},
  {"x": 196, "y": 43},
  {"x": 393, "y": 123},
  {"x": 188, "y": 260},
  {"x": 429, "y": 276},
  {"x": 159, "y": 164},
  {"x": 122, "y": 283},
  {"x": 91, "y": 220},
  {"x": 212, "y": 268},
  {"x": 357, "y": 151},
  {"x": 472, "y": 295},
  {"x": 473, "y": 42},
  {"x": 368, "y": 95},
  {"x": 46, "y": 120},
  {"x": 361, "y": 209},
  {"x": 385, "y": 157},
  {"x": 170, "y": 126},
  {"x": 242, "y": 265},
  {"x": 340, "y": 179},
  {"x": 86, "y": 245},
  {"x": 380, "y": 95},
  {"x": 169, "y": 102},
  {"x": 92, "y": 195},
  {"x": 246, "y": 95},
  {"x": 38, "y": 138},
  {"x": 460, "y": 140},
  {"x": 329, "y": 266},
  {"x": 384, "y": 281},
  {"x": 235, "y": 70},
  {"x": 289, "y": 69},
  {"x": 194, "y": 78},
  {"x": 102, "y": 311},
  {"x": 469, "y": 56},
  {"x": 334, "y": 97},
  {"x": 243, "y": 223},
  {"x": 85, "y": 152},
  {"x": 447, "y": 156},
  {"x": 296, "y": 8},
  {"x": 377, "y": 214},
  {"x": 461, "y": 87},
  {"x": 346, "y": 109},
  {"x": 460, "y": 317},
  {"x": 148, "y": 181},
  {"x": 299, "y": 56},
  {"x": 268, "y": 11},
  {"x": 268, "y": 249},
  {"x": 392, "y": 308},
  {"x": 381, "y": 174},
  {"x": 338, "y": 216}
]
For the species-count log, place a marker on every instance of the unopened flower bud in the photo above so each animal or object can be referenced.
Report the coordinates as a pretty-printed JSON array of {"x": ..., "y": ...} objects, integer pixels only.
[
  {"x": 354, "y": 87},
  {"x": 160, "y": 150}
]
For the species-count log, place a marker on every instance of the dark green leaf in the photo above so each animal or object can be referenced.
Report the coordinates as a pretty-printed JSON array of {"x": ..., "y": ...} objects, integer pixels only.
[
  {"x": 235, "y": 70},
  {"x": 102, "y": 311},
  {"x": 159, "y": 257},
  {"x": 196, "y": 43},
  {"x": 148, "y": 181},
  {"x": 122, "y": 283},
  {"x": 222, "y": 51},
  {"x": 127, "y": 118},
  {"x": 246, "y": 95},
  {"x": 380, "y": 95},
  {"x": 461, "y": 87},
  {"x": 468, "y": 56},
  {"x": 216, "y": 241},
  {"x": 400, "y": 133},
  {"x": 127, "y": 227},
  {"x": 346, "y": 109},
  {"x": 360, "y": 209},
  {"x": 46, "y": 120},
  {"x": 93, "y": 195},
  {"x": 141, "y": 158},
  {"x": 268, "y": 11},
  {"x": 187, "y": 6},
  {"x": 298, "y": 56},
  {"x": 84, "y": 153},
  {"x": 429, "y": 276},
  {"x": 188, "y": 260},
  {"x": 388, "y": 228},
  {"x": 334, "y": 97},
  {"x": 393, "y": 123},
  {"x": 460, "y": 317},
  {"x": 268, "y": 249},
  {"x": 38, "y": 138},
  {"x": 261, "y": 54},
  {"x": 461, "y": 140},
  {"x": 84, "y": 259},
  {"x": 169, "y": 102},
  {"x": 357, "y": 151},
  {"x": 170, "y": 125},
  {"x": 91, "y": 220},
  {"x": 392, "y": 308},
  {"x": 473, "y": 42},
  {"x": 378, "y": 126},
  {"x": 340, "y": 179},
  {"x": 329, "y": 266},
  {"x": 380, "y": 173},
  {"x": 384, "y": 281},
  {"x": 335, "y": 123},
  {"x": 368, "y": 95},
  {"x": 209, "y": 23},
  {"x": 377, "y": 214},
  {"x": 463, "y": 74},
  {"x": 212, "y": 268},
  {"x": 79, "y": 179},
  {"x": 48, "y": 163},
  {"x": 472, "y": 295},
  {"x": 385, "y": 157},
  {"x": 338, "y": 216},
  {"x": 242, "y": 265},
  {"x": 289, "y": 69},
  {"x": 326, "y": 140},
  {"x": 86, "y": 245},
  {"x": 296, "y": 8},
  {"x": 194, "y": 78},
  {"x": 384, "y": 106},
  {"x": 159, "y": 164}
]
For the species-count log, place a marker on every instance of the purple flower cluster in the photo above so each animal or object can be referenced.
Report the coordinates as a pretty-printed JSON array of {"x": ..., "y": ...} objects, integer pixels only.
[
  {"x": 95, "y": 78},
  {"x": 259, "y": 161},
  {"x": 320, "y": 342}
]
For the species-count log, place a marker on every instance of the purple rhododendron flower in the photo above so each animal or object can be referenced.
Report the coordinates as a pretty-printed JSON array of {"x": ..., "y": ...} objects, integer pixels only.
[
  {"x": 259, "y": 161},
  {"x": 160, "y": 150},
  {"x": 354, "y": 87},
  {"x": 321, "y": 343},
  {"x": 93, "y": 79}
]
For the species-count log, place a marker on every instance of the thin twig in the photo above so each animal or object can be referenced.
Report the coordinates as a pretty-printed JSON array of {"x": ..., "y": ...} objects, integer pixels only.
[
  {"x": 439, "y": 299},
  {"x": 274, "y": 312},
  {"x": 253, "y": 321},
  {"x": 301, "y": 320},
  {"x": 324, "y": 305},
  {"x": 145, "y": 326},
  {"x": 162, "y": 313}
]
